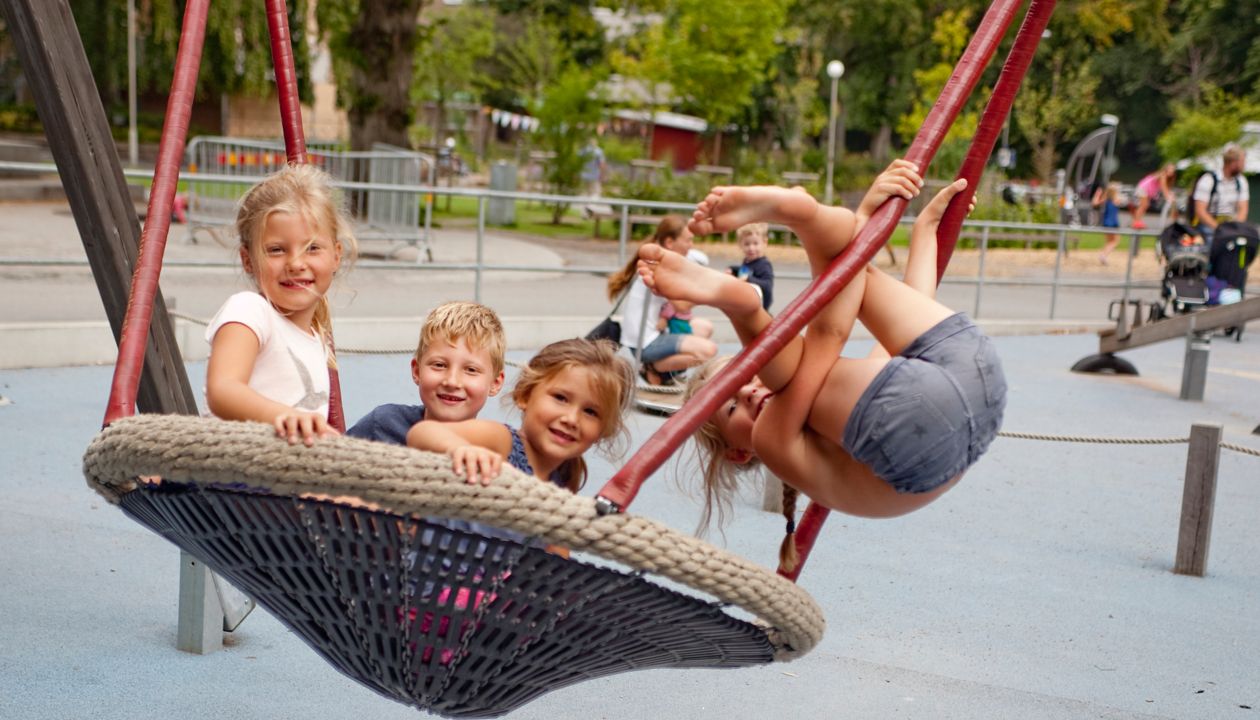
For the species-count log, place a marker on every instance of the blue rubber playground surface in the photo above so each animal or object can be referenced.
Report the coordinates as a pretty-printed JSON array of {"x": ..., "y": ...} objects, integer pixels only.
[{"x": 1041, "y": 587}]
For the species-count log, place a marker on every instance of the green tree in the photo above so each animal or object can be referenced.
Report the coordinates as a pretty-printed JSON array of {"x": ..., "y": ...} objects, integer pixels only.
[
  {"x": 950, "y": 35},
  {"x": 531, "y": 55},
  {"x": 1059, "y": 97},
  {"x": 569, "y": 110},
  {"x": 713, "y": 64},
  {"x": 236, "y": 56},
  {"x": 881, "y": 45},
  {"x": 1215, "y": 45},
  {"x": 1199, "y": 129},
  {"x": 373, "y": 44},
  {"x": 448, "y": 58}
]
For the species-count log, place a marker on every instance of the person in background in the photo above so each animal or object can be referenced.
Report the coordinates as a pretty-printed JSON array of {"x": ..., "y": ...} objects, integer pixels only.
[
  {"x": 594, "y": 168},
  {"x": 1222, "y": 196},
  {"x": 756, "y": 268},
  {"x": 1154, "y": 192}
]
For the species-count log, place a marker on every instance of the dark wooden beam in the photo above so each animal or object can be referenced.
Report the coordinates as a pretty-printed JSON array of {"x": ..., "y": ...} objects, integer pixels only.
[
  {"x": 1221, "y": 316},
  {"x": 56, "y": 66}
]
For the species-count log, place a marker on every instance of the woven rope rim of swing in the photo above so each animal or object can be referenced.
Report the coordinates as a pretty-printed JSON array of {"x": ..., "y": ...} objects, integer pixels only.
[{"x": 207, "y": 451}]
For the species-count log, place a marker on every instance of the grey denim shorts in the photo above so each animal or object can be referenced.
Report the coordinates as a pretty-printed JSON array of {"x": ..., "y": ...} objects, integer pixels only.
[{"x": 932, "y": 410}]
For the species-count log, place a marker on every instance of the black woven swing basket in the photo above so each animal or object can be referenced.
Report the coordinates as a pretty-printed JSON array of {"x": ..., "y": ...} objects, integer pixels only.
[{"x": 446, "y": 621}]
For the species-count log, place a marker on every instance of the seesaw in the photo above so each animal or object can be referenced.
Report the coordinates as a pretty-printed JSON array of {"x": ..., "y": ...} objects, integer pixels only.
[{"x": 1196, "y": 327}]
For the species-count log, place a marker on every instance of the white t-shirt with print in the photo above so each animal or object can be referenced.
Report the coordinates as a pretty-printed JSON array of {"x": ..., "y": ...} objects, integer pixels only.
[
  {"x": 292, "y": 364},
  {"x": 1228, "y": 193}
]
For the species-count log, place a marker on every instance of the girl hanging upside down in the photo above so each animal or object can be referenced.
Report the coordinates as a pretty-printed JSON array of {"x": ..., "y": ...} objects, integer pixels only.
[{"x": 878, "y": 436}]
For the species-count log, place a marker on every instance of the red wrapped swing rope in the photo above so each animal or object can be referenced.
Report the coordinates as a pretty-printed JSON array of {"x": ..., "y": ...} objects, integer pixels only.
[
  {"x": 144, "y": 279},
  {"x": 286, "y": 81},
  {"x": 995, "y": 112},
  {"x": 620, "y": 491},
  {"x": 295, "y": 144}
]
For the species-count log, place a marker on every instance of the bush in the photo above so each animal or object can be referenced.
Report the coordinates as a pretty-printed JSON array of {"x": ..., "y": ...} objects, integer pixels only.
[{"x": 19, "y": 118}]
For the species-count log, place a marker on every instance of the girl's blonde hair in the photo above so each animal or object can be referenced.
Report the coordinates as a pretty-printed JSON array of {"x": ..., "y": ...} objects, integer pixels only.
[
  {"x": 614, "y": 386},
  {"x": 720, "y": 476},
  {"x": 670, "y": 227},
  {"x": 306, "y": 191}
]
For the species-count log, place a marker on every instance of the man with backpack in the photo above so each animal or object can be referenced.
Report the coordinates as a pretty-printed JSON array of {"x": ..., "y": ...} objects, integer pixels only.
[{"x": 1217, "y": 198}]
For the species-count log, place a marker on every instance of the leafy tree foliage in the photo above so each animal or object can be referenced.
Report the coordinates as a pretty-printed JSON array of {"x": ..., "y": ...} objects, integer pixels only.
[
  {"x": 236, "y": 57},
  {"x": 569, "y": 110},
  {"x": 449, "y": 57},
  {"x": 373, "y": 44},
  {"x": 1199, "y": 129}
]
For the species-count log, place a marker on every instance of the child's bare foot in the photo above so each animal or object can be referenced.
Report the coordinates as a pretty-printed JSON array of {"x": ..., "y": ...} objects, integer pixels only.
[
  {"x": 671, "y": 275},
  {"x": 728, "y": 207}
]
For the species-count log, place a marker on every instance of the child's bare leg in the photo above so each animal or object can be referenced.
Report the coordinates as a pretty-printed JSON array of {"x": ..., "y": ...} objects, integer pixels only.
[
  {"x": 671, "y": 275},
  {"x": 898, "y": 312},
  {"x": 824, "y": 230}
]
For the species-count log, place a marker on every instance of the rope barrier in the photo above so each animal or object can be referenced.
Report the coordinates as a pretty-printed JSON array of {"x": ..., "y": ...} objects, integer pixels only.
[
  {"x": 1093, "y": 439},
  {"x": 1241, "y": 449}
]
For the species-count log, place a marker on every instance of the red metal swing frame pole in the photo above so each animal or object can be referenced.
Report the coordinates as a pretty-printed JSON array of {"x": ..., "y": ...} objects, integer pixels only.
[
  {"x": 995, "y": 112},
  {"x": 145, "y": 277},
  {"x": 620, "y": 491}
]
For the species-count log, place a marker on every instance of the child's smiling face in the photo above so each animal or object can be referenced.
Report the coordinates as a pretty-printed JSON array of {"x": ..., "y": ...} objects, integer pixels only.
[
  {"x": 454, "y": 380},
  {"x": 563, "y": 415},
  {"x": 753, "y": 245},
  {"x": 293, "y": 265}
]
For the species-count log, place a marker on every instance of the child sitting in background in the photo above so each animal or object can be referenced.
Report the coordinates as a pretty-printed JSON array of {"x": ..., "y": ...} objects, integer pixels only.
[
  {"x": 458, "y": 365},
  {"x": 673, "y": 320},
  {"x": 756, "y": 268},
  {"x": 269, "y": 348}
]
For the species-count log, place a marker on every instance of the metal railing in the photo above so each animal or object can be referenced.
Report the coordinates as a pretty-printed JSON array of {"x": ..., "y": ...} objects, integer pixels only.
[
  {"x": 1057, "y": 234},
  {"x": 391, "y": 215}
]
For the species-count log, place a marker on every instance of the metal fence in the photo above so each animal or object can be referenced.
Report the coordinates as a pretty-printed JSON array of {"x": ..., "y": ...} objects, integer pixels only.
[
  {"x": 392, "y": 215},
  {"x": 629, "y": 212}
]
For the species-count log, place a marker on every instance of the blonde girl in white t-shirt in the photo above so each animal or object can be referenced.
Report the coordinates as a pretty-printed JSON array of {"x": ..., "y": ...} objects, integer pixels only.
[{"x": 270, "y": 349}]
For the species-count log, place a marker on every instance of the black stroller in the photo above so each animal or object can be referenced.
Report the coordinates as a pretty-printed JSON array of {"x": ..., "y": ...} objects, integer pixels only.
[
  {"x": 1233, "y": 249},
  {"x": 1186, "y": 261}
]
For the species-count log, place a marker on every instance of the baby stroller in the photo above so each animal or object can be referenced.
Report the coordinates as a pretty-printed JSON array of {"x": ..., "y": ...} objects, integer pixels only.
[
  {"x": 1233, "y": 250},
  {"x": 1186, "y": 263}
]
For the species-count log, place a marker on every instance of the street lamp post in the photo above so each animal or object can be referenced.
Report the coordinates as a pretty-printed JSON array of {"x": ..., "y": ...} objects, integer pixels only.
[
  {"x": 835, "y": 69},
  {"x": 133, "y": 137},
  {"x": 1109, "y": 160}
]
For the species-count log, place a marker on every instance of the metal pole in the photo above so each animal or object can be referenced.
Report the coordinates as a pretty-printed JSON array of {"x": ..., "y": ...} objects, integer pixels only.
[
  {"x": 133, "y": 135},
  {"x": 481, "y": 244},
  {"x": 831, "y": 143},
  {"x": 428, "y": 206},
  {"x": 1058, "y": 267},
  {"x": 623, "y": 235},
  {"x": 984, "y": 247}
]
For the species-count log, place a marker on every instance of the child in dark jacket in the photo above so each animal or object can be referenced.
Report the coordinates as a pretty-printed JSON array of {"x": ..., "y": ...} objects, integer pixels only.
[{"x": 756, "y": 268}]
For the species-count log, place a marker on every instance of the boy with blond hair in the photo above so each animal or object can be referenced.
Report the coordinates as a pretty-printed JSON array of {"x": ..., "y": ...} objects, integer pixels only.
[
  {"x": 756, "y": 268},
  {"x": 458, "y": 365}
]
